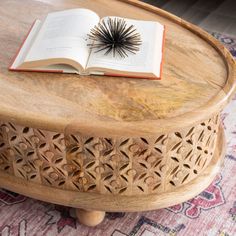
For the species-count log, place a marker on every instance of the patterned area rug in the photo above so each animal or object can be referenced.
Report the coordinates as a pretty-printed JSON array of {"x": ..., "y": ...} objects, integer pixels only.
[{"x": 212, "y": 213}]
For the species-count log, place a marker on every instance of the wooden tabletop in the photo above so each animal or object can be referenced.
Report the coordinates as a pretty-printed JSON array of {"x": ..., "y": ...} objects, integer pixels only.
[{"x": 198, "y": 78}]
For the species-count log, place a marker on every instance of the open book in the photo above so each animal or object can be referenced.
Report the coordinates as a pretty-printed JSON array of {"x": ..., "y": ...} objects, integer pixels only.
[{"x": 59, "y": 44}]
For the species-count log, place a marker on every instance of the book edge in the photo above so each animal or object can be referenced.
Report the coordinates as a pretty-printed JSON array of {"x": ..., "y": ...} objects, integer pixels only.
[
  {"x": 20, "y": 47},
  {"x": 163, "y": 49},
  {"x": 10, "y": 68}
]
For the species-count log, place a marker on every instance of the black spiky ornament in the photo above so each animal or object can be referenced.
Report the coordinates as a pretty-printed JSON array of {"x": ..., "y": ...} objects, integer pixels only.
[{"x": 113, "y": 35}]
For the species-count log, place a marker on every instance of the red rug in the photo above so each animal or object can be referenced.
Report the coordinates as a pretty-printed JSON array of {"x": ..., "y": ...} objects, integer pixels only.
[{"x": 212, "y": 213}]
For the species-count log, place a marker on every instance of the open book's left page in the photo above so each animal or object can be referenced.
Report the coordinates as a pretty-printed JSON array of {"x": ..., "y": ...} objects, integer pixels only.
[{"x": 59, "y": 39}]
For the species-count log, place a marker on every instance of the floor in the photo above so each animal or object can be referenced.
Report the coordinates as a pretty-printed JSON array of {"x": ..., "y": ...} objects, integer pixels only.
[{"x": 216, "y": 15}]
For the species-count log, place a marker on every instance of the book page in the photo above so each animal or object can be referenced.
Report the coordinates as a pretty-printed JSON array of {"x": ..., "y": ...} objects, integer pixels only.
[
  {"x": 147, "y": 59},
  {"x": 63, "y": 35}
]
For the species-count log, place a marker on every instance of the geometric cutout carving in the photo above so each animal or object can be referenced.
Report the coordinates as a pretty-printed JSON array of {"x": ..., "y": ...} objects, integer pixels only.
[{"x": 121, "y": 165}]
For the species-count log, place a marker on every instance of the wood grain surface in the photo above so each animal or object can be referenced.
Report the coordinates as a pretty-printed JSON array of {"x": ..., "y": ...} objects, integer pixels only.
[{"x": 198, "y": 78}]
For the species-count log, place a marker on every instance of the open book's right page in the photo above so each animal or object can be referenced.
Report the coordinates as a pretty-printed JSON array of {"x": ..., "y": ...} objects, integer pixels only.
[{"x": 147, "y": 59}]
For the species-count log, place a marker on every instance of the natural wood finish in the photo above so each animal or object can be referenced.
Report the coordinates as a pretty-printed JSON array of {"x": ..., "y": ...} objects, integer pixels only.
[
  {"x": 127, "y": 144},
  {"x": 90, "y": 218},
  {"x": 105, "y": 165},
  {"x": 119, "y": 202},
  {"x": 198, "y": 78}
]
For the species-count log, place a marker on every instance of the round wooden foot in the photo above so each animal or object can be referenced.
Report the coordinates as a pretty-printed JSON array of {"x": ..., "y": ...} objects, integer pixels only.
[{"x": 90, "y": 218}]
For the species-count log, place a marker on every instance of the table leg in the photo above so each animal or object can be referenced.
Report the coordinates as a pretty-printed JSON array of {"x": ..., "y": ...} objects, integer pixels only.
[{"x": 89, "y": 217}]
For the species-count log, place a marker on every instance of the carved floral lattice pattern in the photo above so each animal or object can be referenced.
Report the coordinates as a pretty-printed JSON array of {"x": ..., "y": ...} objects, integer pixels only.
[{"x": 125, "y": 165}]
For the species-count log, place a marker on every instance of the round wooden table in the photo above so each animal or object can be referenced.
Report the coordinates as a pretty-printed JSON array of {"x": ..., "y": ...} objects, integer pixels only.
[{"x": 113, "y": 144}]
